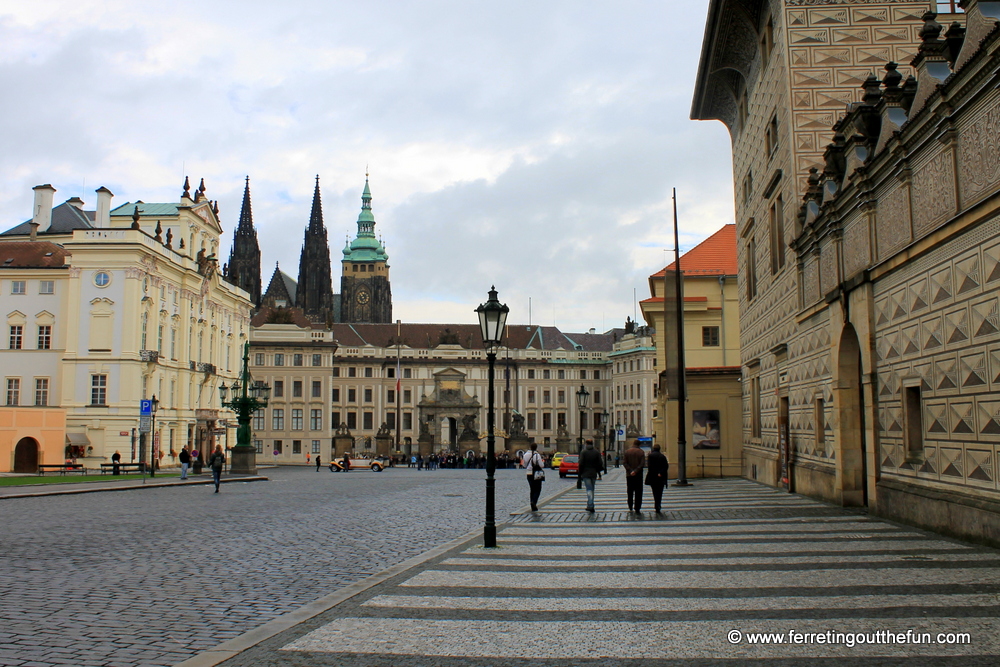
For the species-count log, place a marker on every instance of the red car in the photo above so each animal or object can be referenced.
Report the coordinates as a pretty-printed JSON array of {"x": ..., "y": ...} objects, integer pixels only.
[{"x": 570, "y": 465}]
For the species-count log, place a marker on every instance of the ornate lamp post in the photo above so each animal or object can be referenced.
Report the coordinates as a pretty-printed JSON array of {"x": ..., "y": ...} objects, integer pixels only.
[
  {"x": 247, "y": 399},
  {"x": 492, "y": 318},
  {"x": 582, "y": 400},
  {"x": 154, "y": 405}
]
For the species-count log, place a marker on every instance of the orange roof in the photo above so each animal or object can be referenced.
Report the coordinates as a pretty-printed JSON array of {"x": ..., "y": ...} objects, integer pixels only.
[{"x": 715, "y": 256}]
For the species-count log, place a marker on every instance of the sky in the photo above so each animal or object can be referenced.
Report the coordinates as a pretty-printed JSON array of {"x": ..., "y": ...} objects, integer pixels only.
[{"x": 532, "y": 146}]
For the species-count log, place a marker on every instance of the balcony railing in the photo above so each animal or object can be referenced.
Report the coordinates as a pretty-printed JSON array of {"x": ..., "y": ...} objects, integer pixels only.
[
  {"x": 149, "y": 355},
  {"x": 206, "y": 368}
]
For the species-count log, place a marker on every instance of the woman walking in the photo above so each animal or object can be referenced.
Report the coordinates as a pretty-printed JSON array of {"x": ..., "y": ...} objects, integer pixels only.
[{"x": 657, "y": 468}]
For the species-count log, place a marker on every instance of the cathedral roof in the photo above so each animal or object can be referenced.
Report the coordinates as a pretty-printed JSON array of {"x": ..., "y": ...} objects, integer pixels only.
[
  {"x": 365, "y": 247},
  {"x": 281, "y": 285}
]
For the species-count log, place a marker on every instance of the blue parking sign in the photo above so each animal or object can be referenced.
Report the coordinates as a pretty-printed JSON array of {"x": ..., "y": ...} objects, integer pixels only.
[{"x": 145, "y": 407}]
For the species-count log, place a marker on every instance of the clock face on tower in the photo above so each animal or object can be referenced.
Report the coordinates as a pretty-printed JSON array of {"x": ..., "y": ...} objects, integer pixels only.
[{"x": 363, "y": 297}]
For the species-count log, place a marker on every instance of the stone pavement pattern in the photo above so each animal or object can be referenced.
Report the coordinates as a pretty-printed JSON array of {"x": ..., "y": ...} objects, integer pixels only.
[
  {"x": 567, "y": 588},
  {"x": 154, "y": 576}
]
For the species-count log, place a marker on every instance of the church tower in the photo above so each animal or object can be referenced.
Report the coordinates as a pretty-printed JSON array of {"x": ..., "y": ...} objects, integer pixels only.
[
  {"x": 315, "y": 286},
  {"x": 244, "y": 257},
  {"x": 364, "y": 283}
]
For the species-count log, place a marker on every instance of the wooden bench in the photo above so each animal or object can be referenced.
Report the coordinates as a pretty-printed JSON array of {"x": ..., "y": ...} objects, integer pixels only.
[
  {"x": 61, "y": 468},
  {"x": 123, "y": 467}
]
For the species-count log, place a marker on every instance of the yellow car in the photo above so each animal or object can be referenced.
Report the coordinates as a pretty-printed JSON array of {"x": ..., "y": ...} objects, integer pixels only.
[{"x": 557, "y": 459}]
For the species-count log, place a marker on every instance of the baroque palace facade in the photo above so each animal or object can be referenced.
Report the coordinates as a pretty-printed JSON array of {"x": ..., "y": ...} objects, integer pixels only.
[
  {"x": 870, "y": 346},
  {"x": 103, "y": 308}
]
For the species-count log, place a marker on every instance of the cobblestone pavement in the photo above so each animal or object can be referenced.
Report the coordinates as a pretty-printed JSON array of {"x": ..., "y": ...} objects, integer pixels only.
[
  {"x": 154, "y": 576},
  {"x": 729, "y": 558}
]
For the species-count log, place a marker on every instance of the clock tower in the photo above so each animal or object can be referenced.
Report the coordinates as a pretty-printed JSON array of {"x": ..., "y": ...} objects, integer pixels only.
[{"x": 365, "y": 295}]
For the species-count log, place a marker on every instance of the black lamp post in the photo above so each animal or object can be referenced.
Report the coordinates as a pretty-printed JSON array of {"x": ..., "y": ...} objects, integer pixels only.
[
  {"x": 492, "y": 318},
  {"x": 604, "y": 423},
  {"x": 247, "y": 399},
  {"x": 154, "y": 405},
  {"x": 582, "y": 400}
]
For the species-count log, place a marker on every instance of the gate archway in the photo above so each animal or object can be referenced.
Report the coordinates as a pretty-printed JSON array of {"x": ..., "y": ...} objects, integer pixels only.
[{"x": 26, "y": 456}]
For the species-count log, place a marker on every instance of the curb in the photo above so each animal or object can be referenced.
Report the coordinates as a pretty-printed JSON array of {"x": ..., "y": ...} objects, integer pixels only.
[
  {"x": 251, "y": 638},
  {"x": 131, "y": 487}
]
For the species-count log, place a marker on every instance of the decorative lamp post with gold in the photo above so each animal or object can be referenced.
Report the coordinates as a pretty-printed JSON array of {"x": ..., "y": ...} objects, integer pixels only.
[
  {"x": 492, "y": 319},
  {"x": 247, "y": 398}
]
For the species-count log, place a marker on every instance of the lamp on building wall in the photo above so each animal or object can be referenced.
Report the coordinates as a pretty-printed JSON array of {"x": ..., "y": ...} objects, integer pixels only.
[
  {"x": 247, "y": 398},
  {"x": 154, "y": 448},
  {"x": 492, "y": 319},
  {"x": 582, "y": 401}
]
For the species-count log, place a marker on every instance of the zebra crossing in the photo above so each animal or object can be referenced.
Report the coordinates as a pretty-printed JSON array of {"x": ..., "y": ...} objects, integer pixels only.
[{"x": 778, "y": 576}]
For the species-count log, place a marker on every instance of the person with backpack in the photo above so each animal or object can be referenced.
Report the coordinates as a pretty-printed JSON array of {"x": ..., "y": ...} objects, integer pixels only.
[
  {"x": 591, "y": 466},
  {"x": 533, "y": 463},
  {"x": 216, "y": 461}
]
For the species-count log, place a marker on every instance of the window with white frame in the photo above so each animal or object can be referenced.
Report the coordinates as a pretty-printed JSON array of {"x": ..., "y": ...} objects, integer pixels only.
[
  {"x": 41, "y": 391},
  {"x": 16, "y": 336},
  {"x": 277, "y": 419},
  {"x": 99, "y": 389},
  {"x": 316, "y": 420},
  {"x": 46, "y": 287},
  {"x": 297, "y": 419},
  {"x": 13, "y": 391}
]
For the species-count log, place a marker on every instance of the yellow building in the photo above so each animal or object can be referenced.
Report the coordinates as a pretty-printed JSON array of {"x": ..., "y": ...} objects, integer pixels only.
[
  {"x": 712, "y": 358},
  {"x": 30, "y": 436},
  {"x": 135, "y": 307}
]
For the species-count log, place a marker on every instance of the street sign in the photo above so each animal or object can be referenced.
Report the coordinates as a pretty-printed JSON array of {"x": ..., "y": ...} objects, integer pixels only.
[
  {"x": 620, "y": 433},
  {"x": 122, "y": 432},
  {"x": 145, "y": 407},
  {"x": 145, "y": 424}
]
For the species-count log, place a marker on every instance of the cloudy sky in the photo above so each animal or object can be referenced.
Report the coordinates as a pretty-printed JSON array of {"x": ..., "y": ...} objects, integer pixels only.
[{"x": 532, "y": 145}]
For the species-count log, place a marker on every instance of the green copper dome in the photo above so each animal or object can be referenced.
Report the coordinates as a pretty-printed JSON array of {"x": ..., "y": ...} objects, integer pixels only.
[{"x": 365, "y": 248}]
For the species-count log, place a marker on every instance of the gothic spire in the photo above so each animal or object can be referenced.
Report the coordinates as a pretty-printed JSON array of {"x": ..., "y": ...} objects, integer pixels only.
[
  {"x": 316, "y": 217},
  {"x": 244, "y": 258}
]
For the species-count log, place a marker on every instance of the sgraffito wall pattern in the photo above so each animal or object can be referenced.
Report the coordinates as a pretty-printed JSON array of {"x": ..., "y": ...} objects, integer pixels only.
[
  {"x": 939, "y": 320},
  {"x": 979, "y": 154}
]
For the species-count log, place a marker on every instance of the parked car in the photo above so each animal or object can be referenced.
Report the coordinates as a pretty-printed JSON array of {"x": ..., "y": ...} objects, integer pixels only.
[
  {"x": 570, "y": 465},
  {"x": 557, "y": 459},
  {"x": 375, "y": 465}
]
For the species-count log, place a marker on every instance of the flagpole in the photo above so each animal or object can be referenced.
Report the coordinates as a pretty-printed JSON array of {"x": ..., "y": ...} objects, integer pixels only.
[
  {"x": 399, "y": 387},
  {"x": 681, "y": 379}
]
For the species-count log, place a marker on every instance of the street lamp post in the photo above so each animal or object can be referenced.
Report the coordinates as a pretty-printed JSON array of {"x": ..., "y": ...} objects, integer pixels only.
[
  {"x": 154, "y": 406},
  {"x": 604, "y": 423},
  {"x": 492, "y": 318},
  {"x": 247, "y": 399},
  {"x": 582, "y": 400}
]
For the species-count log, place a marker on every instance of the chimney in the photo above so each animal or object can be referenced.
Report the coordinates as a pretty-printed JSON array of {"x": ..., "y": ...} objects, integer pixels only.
[
  {"x": 102, "y": 217},
  {"x": 41, "y": 215}
]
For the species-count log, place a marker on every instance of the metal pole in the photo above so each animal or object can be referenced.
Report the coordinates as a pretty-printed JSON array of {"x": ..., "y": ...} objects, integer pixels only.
[
  {"x": 490, "y": 529},
  {"x": 681, "y": 380}
]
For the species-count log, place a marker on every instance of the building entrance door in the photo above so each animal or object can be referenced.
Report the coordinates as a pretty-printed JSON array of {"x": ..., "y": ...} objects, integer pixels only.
[{"x": 26, "y": 455}]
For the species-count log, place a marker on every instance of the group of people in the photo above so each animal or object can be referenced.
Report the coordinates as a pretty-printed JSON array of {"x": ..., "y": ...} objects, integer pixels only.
[
  {"x": 435, "y": 461},
  {"x": 640, "y": 470}
]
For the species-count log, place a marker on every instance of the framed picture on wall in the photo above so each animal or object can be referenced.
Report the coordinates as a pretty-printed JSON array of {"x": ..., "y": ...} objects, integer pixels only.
[{"x": 705, "y": 429}]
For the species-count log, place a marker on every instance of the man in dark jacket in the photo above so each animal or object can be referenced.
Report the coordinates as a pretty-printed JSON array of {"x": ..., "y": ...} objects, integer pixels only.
[
  {"x": 216, "y": 461},
  {"x": 185, "y": 459},
  {"x": 591, "y": 465},
  {"x": 635, "y": 461},
  {"x": 657, "y": 469}
]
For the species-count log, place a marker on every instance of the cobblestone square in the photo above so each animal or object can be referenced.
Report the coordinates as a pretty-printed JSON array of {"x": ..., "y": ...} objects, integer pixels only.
[{"x": 153, "y": 576}]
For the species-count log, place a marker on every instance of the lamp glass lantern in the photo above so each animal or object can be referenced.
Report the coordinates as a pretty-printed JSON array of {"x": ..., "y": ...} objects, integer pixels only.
[
  {"x": 154, "y": 404},
  {"x": 223, "y": 391},
  {"x": 582, "y": 398},
  {"x": 492, "y": 319}
]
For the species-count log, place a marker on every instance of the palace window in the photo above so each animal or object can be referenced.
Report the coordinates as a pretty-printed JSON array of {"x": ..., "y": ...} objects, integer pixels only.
[
  {"x": 41, "y": 391},
  {"x": 46, "y": 287},
  {"x": 277, "y": 419},
  {"x": 297, "y": 419},
  {"x": 335, "y": 395},
  {"x": 317, "y": 389},
  {"x": 296, "y": 446},
  {"x": 368, "y": 395},
  {"x": 317, "y": 360},
  {"x": 296, "y": 360},
  {"x": 913, "y": 420},
  {"x": 279, "y": 388},
  {"x": 352, "y": 420},
  {"x": 279, "y": 359},
  {"x": 99, "y": 389},
  {"x": 258, "y": 420},
  {"x": 16, "y": 336},
  {"x": 13, "y": 391},
  {"x": 531, "y": 396},
  {"x": 315, "y": 446},
  {"x": 296, "y": 388},
  {"x": 407, "y": 421},
  {"x": 352, "y": 395},
  {"x": 369, "y": 421},
  {"x": 777, "y": 229}
]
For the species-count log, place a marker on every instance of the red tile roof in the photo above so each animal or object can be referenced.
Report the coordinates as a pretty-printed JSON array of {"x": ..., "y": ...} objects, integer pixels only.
[
  {"x": 32, "y": 255},
  {"x": 715, "y": 256}
]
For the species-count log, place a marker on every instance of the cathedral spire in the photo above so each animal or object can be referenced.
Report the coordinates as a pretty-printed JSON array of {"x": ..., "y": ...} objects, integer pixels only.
[
  {"x": 244, "y": 258},
  {"x": 314, "y": 294},
  {"x": 316, "y": 217}
]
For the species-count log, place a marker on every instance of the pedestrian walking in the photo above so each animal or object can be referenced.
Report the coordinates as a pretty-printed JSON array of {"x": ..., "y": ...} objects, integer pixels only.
[
  {"x": 185, "y": 459},
  {"x": 116, "y": 460},
  {"x": 657, "y": 469},
  {"x": 318, "y": 462},
  {"x": 532, "y": 462},
  {"x": 216, "y": 461},
  {"x": 591, "y": 465},
  {"x": 635, "y": 461}
]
